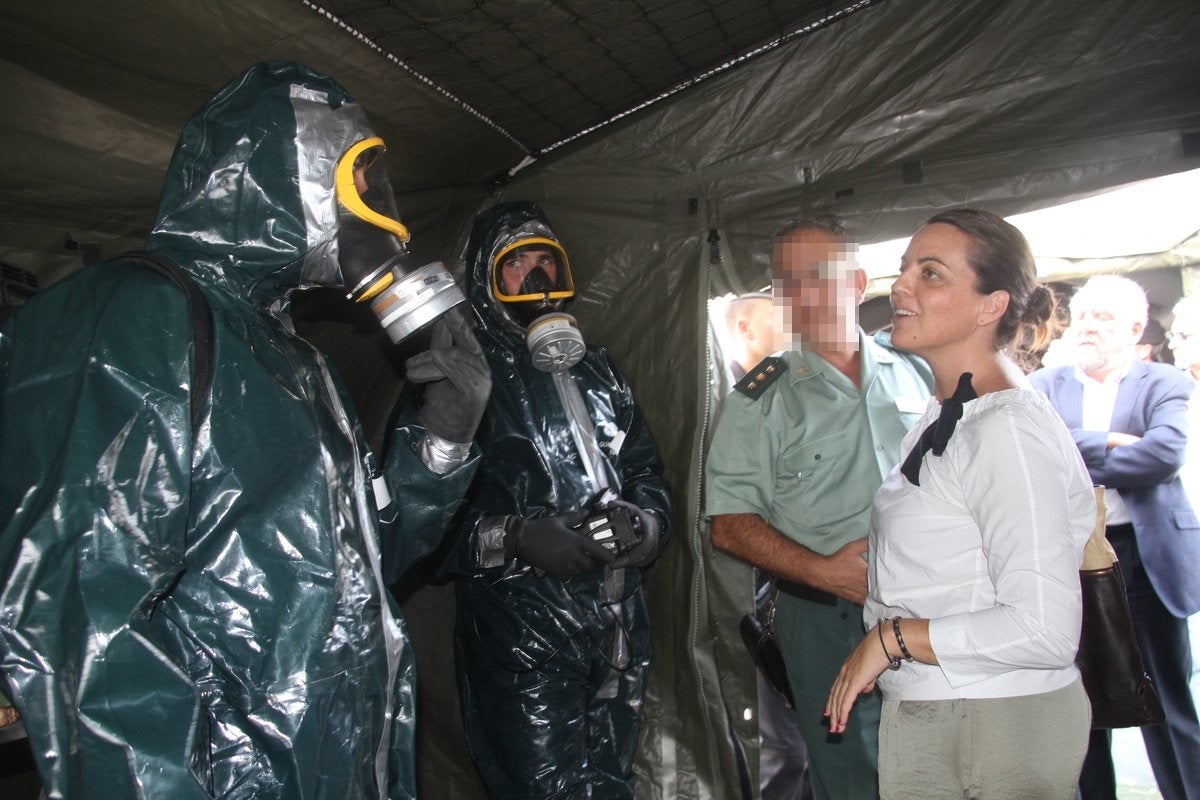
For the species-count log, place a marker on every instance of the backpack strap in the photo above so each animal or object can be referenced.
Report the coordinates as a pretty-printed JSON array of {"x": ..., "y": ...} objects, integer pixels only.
[{"x": 202, "y": 324}]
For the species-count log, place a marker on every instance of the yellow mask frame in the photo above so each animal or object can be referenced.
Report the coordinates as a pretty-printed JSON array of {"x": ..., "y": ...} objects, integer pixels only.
[
  {"x": 348, "y": 195},
  {"x": 549, "y": 244}
]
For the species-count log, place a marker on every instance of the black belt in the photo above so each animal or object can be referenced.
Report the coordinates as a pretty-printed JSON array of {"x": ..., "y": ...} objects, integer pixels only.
[
  {"x": 1117, "y": 531},
  {"x": 806, "y": 592}
]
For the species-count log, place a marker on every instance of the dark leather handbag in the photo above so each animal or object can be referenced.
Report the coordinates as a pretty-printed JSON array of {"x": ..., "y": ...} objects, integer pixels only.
[
  {"x": 758, "y": 632},
  {"x": 1109, "y": 659}
]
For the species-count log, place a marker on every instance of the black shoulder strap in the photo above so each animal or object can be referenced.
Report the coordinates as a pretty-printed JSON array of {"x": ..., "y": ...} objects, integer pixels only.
[
  {"x": 761, "y": 376},
  {"x": 202, "y": 325}
]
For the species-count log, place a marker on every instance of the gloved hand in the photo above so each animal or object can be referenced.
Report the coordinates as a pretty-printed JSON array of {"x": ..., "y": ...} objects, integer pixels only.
[
  {"x": 457, "y": 377},
  {"x": 645, "y": 551},
  {"x": 552, "y": 544}
]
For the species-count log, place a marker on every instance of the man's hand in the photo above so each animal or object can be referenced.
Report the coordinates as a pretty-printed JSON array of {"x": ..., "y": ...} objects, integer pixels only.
[
  {"x": 457, "y": 380},
  {"x": 845, "y": 572},
  {"x": 554, "y": 545},
  {"x": 752, "y": 539},
  {"x": 646, "y": 550},
  {"x": 1116, "y": 439}
]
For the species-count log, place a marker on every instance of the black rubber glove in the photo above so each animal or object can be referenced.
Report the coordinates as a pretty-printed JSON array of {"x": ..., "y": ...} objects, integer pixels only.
[
  {"x": 457, "y": 377},
  {"x": 552, "y": 544},
  {"x": 646, "y": 550}
]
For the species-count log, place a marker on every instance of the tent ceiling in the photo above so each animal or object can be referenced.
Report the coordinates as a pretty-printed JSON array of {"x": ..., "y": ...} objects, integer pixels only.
[
  {"x": 546, "y": 71},
  {"x": 464, "y": 91},
  {"x": 95, "y": 91}
]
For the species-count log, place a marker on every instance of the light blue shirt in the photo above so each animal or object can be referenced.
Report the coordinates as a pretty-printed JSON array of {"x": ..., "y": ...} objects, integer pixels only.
[{"x": 808, "y": 454}]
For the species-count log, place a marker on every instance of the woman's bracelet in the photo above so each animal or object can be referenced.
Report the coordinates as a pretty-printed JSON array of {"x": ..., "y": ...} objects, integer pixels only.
[
  {"x": 900, "y": 640},
  {"x": 893, "y": 663}
]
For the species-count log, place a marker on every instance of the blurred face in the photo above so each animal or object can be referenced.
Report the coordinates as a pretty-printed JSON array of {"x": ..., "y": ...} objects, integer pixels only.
[
  {"x": 519, "y": 263},
  {"x": 935, "y": 303},
  {"x": 1102, "y": 336},
  {"x": 1184, "y": 341},
  {"x": 818, "y": 287}
]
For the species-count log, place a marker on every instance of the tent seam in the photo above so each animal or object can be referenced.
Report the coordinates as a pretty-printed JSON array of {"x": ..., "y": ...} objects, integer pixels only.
[{"x": 432, "y": 84}]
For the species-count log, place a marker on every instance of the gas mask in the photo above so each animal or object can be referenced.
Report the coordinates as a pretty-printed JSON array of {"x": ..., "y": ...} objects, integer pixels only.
[
  {"x": 371, "y": 249},
  {"x": 531, "y": 278}
]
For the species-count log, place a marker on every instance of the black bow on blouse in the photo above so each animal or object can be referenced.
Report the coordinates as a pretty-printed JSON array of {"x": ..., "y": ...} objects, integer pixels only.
[{"x": 937, "y": 435}]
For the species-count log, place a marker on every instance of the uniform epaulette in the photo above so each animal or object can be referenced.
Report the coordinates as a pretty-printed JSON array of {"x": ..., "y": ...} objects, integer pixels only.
[{"x": 763, "y": 375}]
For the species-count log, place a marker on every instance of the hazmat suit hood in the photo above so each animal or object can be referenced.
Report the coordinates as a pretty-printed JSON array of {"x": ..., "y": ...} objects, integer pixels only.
[
  {"x": 497, "y": 230},
  {"x": 248, "y": 203}
]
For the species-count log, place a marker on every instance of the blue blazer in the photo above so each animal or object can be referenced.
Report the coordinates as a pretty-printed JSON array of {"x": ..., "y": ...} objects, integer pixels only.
[{"x": 1152, "y": 402}]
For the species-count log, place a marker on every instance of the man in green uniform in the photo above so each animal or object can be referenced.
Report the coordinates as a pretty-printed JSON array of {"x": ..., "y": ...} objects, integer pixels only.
[{"x": 797, "y": 455}]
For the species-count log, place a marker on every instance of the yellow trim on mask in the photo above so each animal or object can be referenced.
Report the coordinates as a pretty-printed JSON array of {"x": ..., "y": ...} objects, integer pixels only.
[
  {"x": 384, "y": 281},
  {"x": 347, "y": 193},
  {"x": 560, "y": 294}
]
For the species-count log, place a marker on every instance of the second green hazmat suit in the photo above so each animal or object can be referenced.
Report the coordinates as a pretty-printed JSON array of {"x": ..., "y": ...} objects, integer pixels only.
[
  {"x": 552, "y": 637},
  {"x": 196, "y": 612}
]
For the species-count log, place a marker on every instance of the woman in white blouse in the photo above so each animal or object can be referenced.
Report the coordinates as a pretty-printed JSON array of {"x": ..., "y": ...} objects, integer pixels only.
[{"x": 974, "y": 608}]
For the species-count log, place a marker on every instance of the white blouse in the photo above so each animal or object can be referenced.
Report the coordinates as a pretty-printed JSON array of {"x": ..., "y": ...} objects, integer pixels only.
[{"x": 988, "y": 549}]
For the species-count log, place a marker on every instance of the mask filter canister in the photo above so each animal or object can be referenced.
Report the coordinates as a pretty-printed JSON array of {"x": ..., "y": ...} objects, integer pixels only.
[
  {"x": 554, "y": 341},
  {"x": 412, "y": 300},
  {"x": 371, "y": 250}
]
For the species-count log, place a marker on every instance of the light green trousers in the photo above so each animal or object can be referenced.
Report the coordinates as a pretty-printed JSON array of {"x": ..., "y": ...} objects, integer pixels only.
[{"x": 1029, "y": 748}]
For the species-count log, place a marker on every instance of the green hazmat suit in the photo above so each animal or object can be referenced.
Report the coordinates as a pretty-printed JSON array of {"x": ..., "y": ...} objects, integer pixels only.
[
  {"x": 547, "y": 711},
  {"x": 194, "y": 613}
]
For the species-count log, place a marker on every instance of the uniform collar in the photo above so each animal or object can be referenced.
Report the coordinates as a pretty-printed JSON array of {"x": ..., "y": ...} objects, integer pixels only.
[{"x": 804, "y": 365}]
